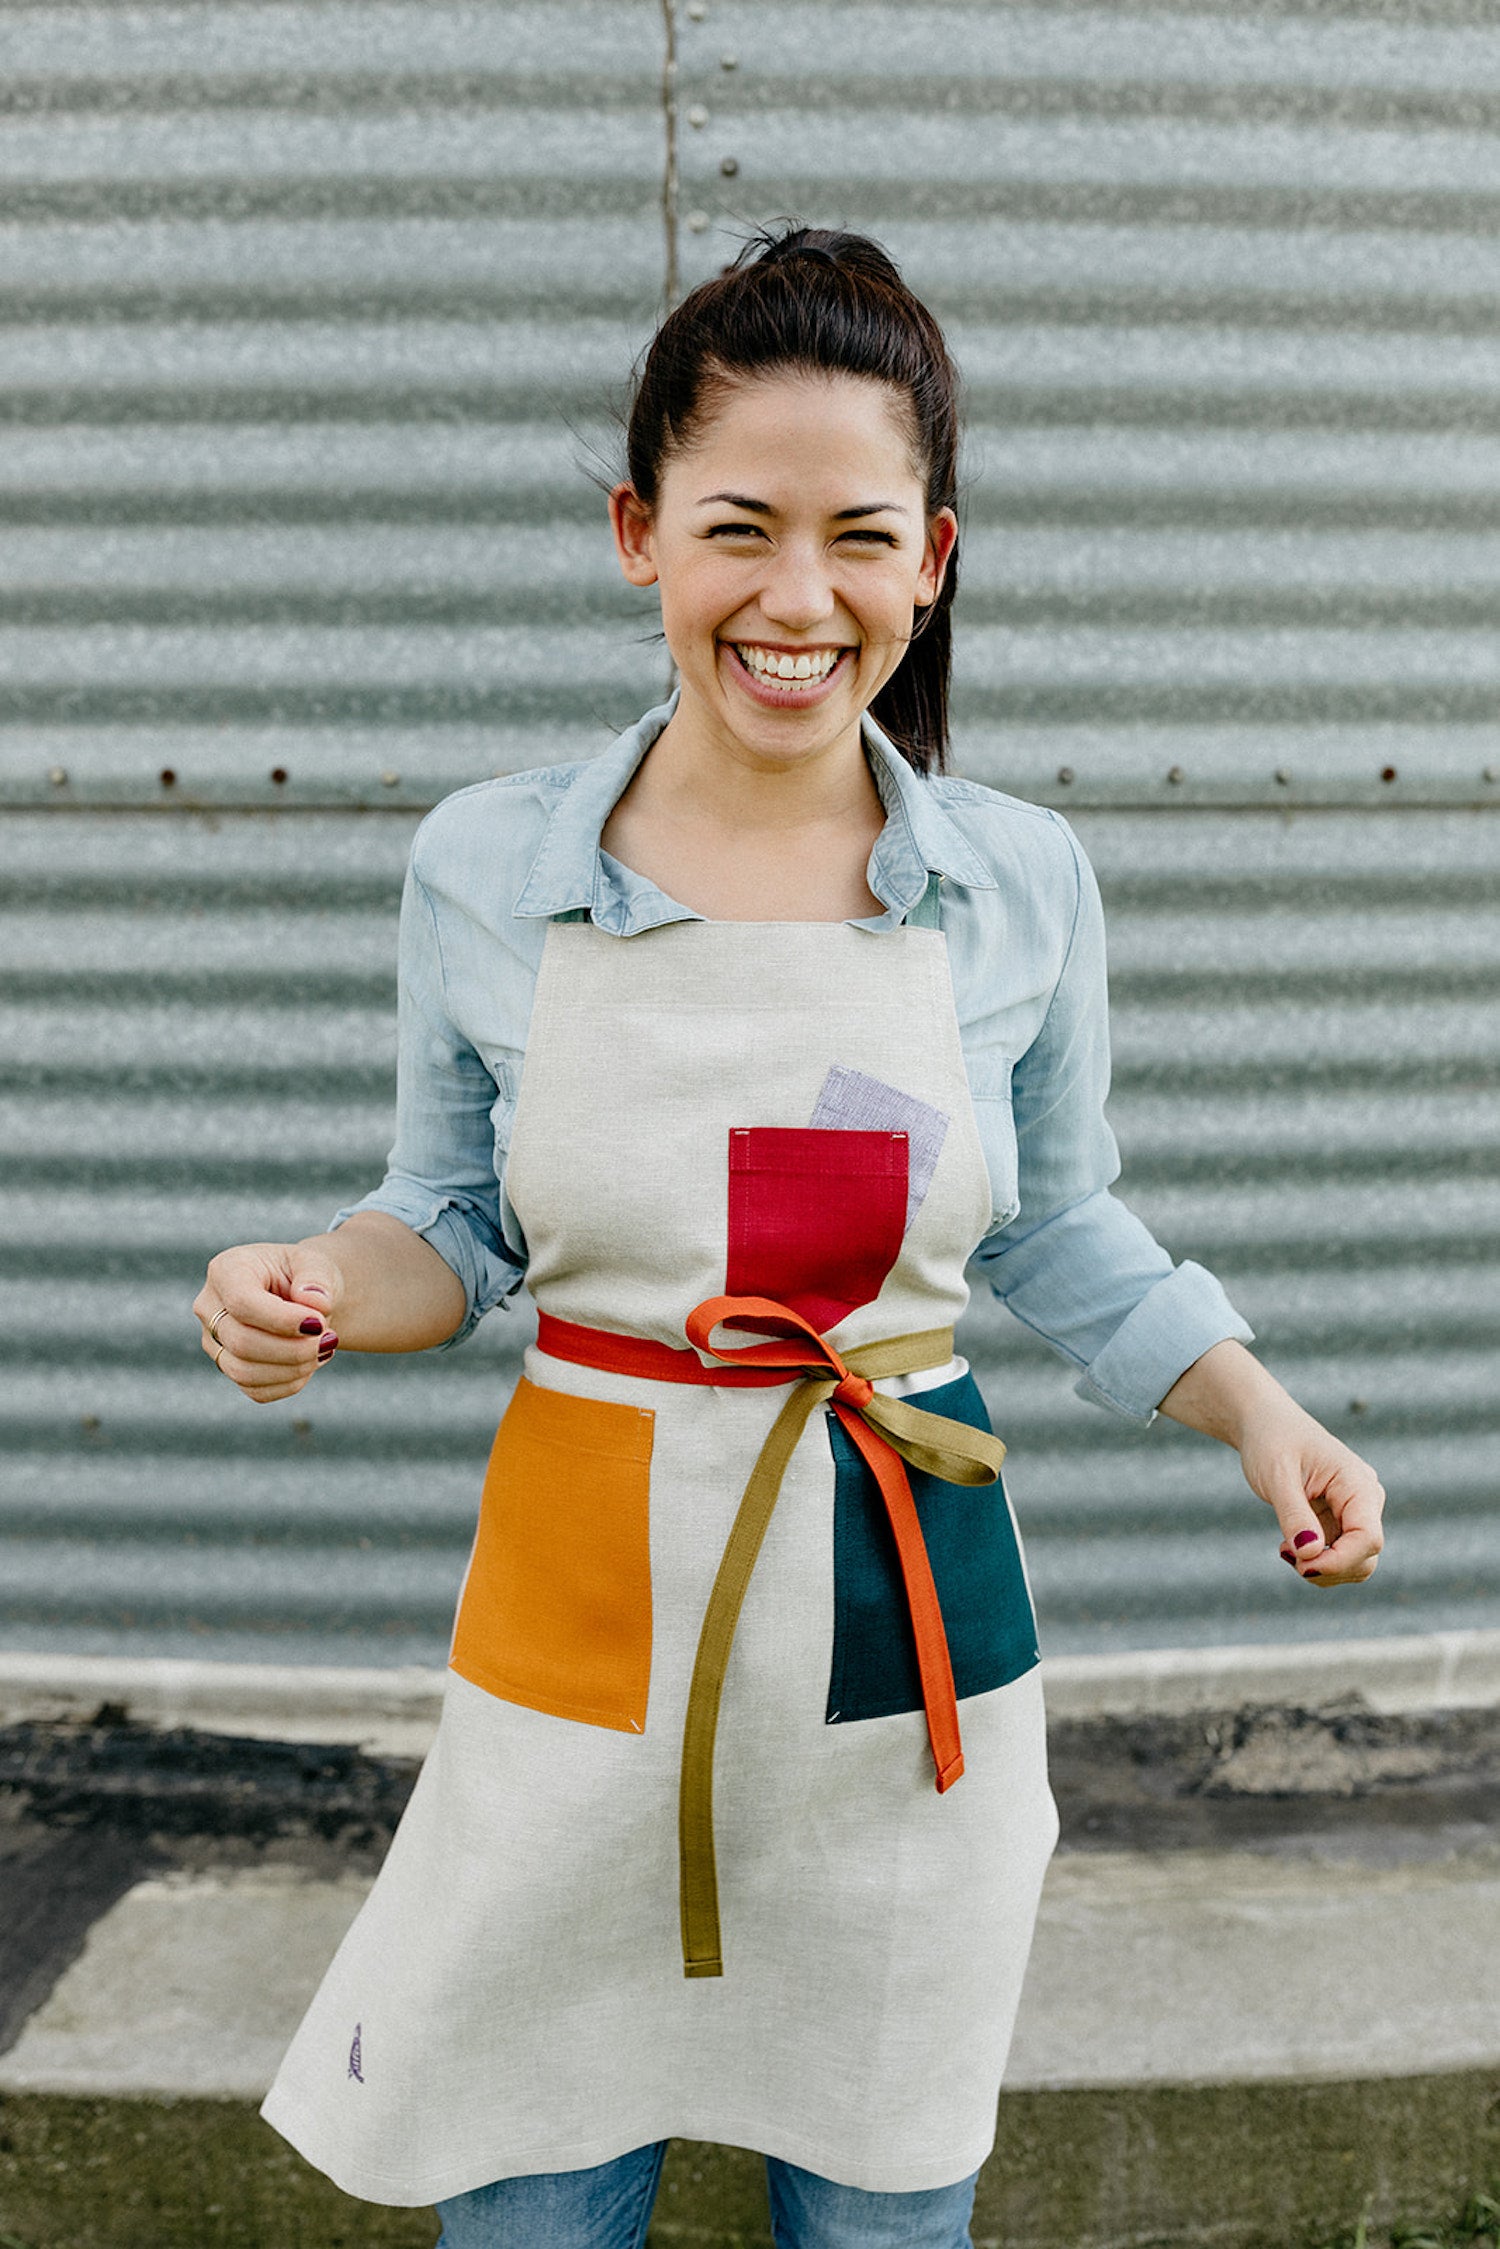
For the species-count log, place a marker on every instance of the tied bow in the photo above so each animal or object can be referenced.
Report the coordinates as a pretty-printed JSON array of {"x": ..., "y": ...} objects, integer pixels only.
[{"x": 887, "y": 1432}]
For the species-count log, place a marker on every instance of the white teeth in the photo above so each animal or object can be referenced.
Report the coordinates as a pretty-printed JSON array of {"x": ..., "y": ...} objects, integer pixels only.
[{"x": 766, "y": 663}]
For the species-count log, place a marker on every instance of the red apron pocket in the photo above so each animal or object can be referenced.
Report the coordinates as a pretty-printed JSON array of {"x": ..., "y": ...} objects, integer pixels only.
[
  {"x": 815, "y": 1217},
  {"x": 555, "y": 1611}
]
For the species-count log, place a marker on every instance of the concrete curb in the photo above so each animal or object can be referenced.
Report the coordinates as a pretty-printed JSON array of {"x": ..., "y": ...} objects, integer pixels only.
[
  {"x": 1410, "y": 1672},
  {"x": 390, "y": 1713},
  {"x": 393, "y": 1712}
]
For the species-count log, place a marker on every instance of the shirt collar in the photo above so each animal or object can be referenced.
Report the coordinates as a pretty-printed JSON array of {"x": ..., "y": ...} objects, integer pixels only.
[{"x": 571, "y": 874}]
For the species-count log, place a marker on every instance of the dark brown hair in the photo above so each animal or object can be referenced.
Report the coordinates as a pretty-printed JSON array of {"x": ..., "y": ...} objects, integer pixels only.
[{"x": 815, "y": 300}]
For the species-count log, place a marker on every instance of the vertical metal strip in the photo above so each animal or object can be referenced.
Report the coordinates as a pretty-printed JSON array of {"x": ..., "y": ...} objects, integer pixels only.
[{"x": 671, "y": 281}]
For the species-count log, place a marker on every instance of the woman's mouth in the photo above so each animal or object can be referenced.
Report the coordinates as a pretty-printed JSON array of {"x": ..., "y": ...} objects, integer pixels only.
[{"x": 784, "y": 676}]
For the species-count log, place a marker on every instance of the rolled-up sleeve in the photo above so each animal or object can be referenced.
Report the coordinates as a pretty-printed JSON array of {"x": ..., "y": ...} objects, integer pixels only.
[
  {"x": 1074, "y": 1264},
  {"x": 441, "y": 1178}
]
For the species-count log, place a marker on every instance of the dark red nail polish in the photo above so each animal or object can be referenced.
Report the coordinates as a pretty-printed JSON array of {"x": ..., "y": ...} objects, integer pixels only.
[
  {"x": 328, "y": 1346},
  {"x": 311, "y": 1326},
  {"x": 1305, "y": 1538},
  {"x": 1287, "y": 1556},
  {"x": 1312, "y": 1573}
]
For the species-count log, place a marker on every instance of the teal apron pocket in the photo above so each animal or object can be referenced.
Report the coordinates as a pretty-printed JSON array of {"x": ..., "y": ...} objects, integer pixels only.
[{"x": 976, "y": 1566}]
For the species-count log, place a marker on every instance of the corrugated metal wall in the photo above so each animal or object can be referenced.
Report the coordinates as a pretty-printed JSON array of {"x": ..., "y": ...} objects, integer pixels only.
[{"x": 308, "y": 319}]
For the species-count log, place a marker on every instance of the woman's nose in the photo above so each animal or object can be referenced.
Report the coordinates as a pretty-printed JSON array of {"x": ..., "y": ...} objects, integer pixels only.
[{"x": 796, "y": 591}]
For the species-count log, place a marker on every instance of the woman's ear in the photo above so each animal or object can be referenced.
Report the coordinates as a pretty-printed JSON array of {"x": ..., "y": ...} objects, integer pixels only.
[
  {"x": 630, "y": 521},
  {"x": 942, "y": 537}
]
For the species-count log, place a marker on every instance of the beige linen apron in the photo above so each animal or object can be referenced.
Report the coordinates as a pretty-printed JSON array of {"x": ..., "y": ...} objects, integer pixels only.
[{"x": 512, "y": 1998}]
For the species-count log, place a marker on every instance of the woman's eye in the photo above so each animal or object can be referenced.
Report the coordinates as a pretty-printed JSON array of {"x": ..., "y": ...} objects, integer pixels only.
[{"x": 755, "y": 531}]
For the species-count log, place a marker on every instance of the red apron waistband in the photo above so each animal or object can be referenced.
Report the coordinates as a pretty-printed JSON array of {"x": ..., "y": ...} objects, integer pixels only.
[{"x": 651, "y": 1362}]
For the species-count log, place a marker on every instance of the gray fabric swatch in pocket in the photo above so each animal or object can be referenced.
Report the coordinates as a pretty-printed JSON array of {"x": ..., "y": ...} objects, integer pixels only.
[{"x": 852, "y": 1102}]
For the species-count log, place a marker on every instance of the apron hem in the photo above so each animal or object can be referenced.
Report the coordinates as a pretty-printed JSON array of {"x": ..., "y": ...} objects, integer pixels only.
[{"x": 386, "y": 2189}]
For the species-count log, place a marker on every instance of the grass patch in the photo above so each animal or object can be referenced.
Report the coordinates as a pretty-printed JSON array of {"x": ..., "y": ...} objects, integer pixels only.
[
  {"x": 1231, "y": 2167},
  {"x": 180, "y": 2174},
  {"x": 1475, "y": 2226}
]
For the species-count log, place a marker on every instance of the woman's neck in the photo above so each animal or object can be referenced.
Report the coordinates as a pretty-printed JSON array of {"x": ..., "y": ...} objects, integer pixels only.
[
  {"x": 738, "y": 840},
  {"x": 698, "y": 772}
]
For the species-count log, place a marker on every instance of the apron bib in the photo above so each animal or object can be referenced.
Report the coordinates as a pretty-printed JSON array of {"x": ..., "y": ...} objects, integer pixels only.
[{"x": 715, "y": 1117}]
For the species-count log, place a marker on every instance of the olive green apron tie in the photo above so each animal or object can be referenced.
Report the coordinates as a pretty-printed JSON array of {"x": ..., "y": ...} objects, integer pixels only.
[{"x": 882, "y": 1428}]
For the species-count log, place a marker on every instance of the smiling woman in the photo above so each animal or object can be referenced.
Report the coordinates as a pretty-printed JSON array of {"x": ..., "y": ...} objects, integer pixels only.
[
  {"x": 758, "y": 1025},
  {"x": 788, "y": 594},
  {"x": 872, "y": 437},
  {"x": 797, "y": 598}
]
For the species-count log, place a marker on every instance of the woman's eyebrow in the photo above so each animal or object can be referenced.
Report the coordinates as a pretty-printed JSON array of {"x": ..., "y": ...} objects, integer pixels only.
[
  {"x": 762, "y": 507},
  {"x": 737, "y": 500}
]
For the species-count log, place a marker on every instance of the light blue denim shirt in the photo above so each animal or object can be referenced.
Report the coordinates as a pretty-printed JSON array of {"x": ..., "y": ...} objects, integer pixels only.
[{"x": 493, "y": 864}]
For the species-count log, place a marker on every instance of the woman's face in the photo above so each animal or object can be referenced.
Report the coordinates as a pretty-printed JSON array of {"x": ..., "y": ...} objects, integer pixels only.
[{"x": 791, "y": 544}]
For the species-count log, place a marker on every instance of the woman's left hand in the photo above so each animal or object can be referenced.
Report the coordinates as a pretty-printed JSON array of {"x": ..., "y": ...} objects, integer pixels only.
[{"x": 1327, "y": 1500}]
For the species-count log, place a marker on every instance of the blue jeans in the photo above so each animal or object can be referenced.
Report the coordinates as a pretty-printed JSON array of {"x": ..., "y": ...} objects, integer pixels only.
[{"x": 609, "y": 2207}]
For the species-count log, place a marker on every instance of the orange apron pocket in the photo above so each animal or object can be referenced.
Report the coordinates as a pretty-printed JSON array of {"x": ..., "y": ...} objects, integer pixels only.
[{"x": 555, "y": 1611}]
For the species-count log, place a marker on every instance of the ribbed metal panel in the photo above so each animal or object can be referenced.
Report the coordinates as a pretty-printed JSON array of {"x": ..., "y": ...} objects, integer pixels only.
[
  {"x": 197, "y": 1032},
  {"x": 309, "y": 320},
  {"x": 1223, "y": 282}
]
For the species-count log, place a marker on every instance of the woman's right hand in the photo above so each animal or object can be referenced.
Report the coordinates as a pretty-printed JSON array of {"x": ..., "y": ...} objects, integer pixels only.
[{"x": 268, "y": 1312}]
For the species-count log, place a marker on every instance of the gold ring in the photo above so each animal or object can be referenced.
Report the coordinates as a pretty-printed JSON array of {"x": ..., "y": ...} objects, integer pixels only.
[
  {"x": 213, "y": 1325},
  {"x": 219, "y": 1355}
]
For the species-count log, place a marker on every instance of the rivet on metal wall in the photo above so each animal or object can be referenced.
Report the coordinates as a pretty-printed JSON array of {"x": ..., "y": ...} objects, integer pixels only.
[
  {"x": 1065, "y": 774},
  {"x": 89, "y": 1421},
  {"x": 1491, "y": 773},
  {"x": 167, "y": 777},
  {"x": 58, "y": 776},
  {"x": 729, "y": 165},
  {"x": 1388, "y": 773},
  {"x": 729, "y": 62},
  {"x": 278, "y": 775},
  {"x": 696, "y": 11},
  {"x": 1175, "y": 773},
  {"x": 697, "y": 222},
  {"x": 698, "y": 115},
  {"x": 1284, "y": 775},
  {"x": 388, "y": 779}
]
